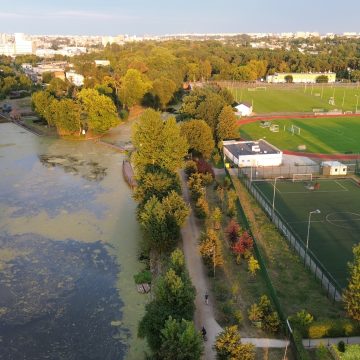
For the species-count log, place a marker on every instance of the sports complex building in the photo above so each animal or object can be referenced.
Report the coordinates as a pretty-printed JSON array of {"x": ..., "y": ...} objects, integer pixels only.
[{"x": 298, "y": 78}]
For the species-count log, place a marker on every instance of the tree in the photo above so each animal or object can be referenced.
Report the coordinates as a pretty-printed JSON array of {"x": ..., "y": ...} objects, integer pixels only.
[
  {"x": 133, "y": 87},
  {"x": 244, "y": 244},
  {"x": 322, "y": 79},
  {"x": 253, "y": 265},
  {"x": 233, "y": 231},
  {"x": 209, "y": 109},
  {"x": 226, "y": 128},
  {"x": 202, "y": 207},
  {"x": 174, "y": 296},
  {"x": 289, "y": 79},
  {"x": 228, "y": 346},
  {"x": 57, "y": 87},
  {"x": 163, "y": 89},
  {"x": 199, "y": 136},
  {"x": 180, "y": 341},
  {"x": 66, "y": 116},
  {"x": 98, "y": 110},
  {"x": 158, "y": 142},
  {"x": 216, "y": 217},
  {"x": 352, "y": 293},
  {"x": 41, "y": 101},
  {"x": 155, "y": 181},
  {"x": 209, "y": 242}
]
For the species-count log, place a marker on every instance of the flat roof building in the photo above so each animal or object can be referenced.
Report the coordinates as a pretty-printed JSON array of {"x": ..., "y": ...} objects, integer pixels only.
[
  {"x": 252, "y": 153},
  {"x": 300, "y": 77}
]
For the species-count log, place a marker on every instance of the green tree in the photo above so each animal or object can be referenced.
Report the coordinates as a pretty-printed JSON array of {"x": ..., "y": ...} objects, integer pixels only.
[
  {"x": 216, "y": 217},
  {"x": 227, "y": 128},
  {"x": 180, "y": 341},
  {"x": 57, "y": 87},
  {"x": 98, "y": 110},
  {"x": 133, "y": 87},
  {"x": 289, "y": 78},
  {"x": 161, "y": 220},
  {"x": 163, "y": 89},
  {"x": 174, "y": 296},
  {"x": 41, "y": 101},
  {"x": 322, "y": 79},
  {"x": 158, "y": 142},
  {"x": 155, "y": 181},
  {"x": 199, "y": 137},
  {"x": 352, "y": 293},
  {"x": 209, "y": 110},
  {"x": 228, "y": 346},
  {"x": 66, "y": 116}
]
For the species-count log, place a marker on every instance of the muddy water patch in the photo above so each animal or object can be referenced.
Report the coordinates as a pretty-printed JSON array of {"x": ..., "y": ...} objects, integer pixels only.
[{"x": 58, "y": 300}]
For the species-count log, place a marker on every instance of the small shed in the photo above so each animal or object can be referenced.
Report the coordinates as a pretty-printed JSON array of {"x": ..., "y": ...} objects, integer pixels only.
[
  {"x": 244, "y": 109},
  {"x": 332, "y": 168}
]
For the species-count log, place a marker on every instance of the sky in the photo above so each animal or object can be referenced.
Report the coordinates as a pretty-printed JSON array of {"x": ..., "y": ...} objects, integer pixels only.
[{"x": 159, "y": 17}]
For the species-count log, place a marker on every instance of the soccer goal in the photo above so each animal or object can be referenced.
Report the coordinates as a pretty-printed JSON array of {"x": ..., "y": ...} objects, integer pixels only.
[
  {"x": 295, "y": 130},
  {"x": 302, "y": 177}
]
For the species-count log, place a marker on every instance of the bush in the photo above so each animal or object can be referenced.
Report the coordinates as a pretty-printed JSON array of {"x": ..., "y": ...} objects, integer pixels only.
[
  {"x": 332, "y": 328},
  {"x": 319, "y": 330},
  {"x": 124, "y": 114},
  {"x": 201, "y": 208},
  {"x": 143, "y": 277},
  {"x": 341, "y": 346},
  {"x": 204, "y": 167},
  {"x": 190, "y": 168},
  {"x": 300, "y": 350}
]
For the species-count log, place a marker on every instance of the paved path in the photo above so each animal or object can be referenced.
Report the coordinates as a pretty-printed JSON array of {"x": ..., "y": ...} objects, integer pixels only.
[{"x": 204, "y": 315}]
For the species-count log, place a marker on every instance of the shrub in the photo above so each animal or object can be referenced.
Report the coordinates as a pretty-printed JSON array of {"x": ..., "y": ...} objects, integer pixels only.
[
  {"x": 233, "y": 231},
  {"x": 190, "y": 168},
  {"x": 319, "y": 330},
  {"x": 255, "y": 313},
  {"x": 301, "y": 352},
  {"x": 201, "y": 208},
  {"x": 322, "y": 352},
  {"x": 143, "y": 277},
  {"x": 341, "y": 346},
  {"x": 203, "y": 167}
]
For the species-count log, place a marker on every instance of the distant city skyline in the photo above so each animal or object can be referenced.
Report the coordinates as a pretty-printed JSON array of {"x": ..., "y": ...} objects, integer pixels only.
[{"x": 112, "y": 17}]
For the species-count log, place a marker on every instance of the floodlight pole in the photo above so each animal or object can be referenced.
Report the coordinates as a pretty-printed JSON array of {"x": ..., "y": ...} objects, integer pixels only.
[
  {"x": 357, "y": 103},
  {"x": 273, "y": 202},
  {"x": 317, "y": 211}
]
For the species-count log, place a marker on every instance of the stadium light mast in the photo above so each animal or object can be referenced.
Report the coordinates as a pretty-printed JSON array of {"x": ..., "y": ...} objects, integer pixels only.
[
  {"x": 357, "y": 103},
  {"x": 273, "y": 202},
  {"x": 317, "y": 211}
]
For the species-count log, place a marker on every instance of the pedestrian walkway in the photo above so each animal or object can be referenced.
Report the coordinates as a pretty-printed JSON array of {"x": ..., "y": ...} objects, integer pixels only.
[{"x": 204, "y": 315}]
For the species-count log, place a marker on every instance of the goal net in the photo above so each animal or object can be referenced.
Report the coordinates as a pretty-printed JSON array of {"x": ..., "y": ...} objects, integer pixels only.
[
  {"x": 302, "y": 177},
  {"x": 295, "y": 130}
]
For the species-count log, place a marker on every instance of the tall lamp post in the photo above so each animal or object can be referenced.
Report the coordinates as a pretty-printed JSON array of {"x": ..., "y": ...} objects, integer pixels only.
[
  {"x": 273, "y": 202},
  {"x": 357, "y": 103},
  {"x": 317, "y": 211}
]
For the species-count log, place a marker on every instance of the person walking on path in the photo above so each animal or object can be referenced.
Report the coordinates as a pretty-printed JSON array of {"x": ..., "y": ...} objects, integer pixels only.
[{"x": 206, "y": 298}]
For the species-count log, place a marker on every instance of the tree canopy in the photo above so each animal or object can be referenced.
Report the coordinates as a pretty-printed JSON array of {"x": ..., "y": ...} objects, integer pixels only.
[
  {"x": 158, "y": 142},
  {"x": 199, "y": 136}
]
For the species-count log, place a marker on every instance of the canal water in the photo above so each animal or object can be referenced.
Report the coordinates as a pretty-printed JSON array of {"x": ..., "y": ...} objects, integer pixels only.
[{"x": 68, "y": 251}]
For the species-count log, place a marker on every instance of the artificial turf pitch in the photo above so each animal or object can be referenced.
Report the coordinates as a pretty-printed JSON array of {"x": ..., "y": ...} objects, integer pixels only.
[
  {"x": 319, "y": 135},
  {"x": 334, "y": 231}
]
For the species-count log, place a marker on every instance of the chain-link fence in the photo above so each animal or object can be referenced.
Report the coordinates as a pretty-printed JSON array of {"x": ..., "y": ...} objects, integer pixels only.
[{"x": 326, "y": 280}]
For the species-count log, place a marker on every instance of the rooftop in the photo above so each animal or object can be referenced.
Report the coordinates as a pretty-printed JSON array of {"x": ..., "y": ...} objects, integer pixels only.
[{"x": 241, "y": 148}]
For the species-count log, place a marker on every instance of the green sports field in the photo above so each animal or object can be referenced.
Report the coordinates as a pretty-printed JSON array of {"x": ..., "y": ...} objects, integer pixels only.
[
  {"x": 321, "y": 135},
  {"x": 298, "y": 98},
  {"x": 334, "y": 231}
]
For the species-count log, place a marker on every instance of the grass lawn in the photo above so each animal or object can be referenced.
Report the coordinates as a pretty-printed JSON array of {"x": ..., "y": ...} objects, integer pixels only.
[
  {"x": 322, "y": 135},
  {"x": 297, "y": 98},
  {"x": 334, "y": 231}
]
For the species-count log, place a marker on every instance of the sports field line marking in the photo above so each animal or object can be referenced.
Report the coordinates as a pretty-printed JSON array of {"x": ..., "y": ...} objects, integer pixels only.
[
  {"x": 341, "y": 185},
  {"x": 311, "y": 191}
]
